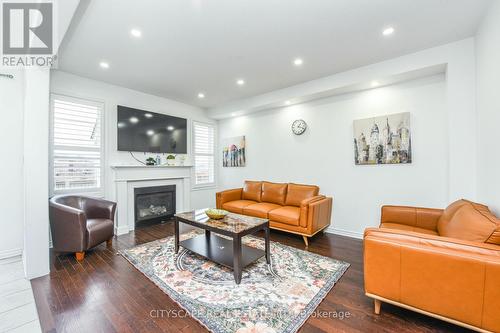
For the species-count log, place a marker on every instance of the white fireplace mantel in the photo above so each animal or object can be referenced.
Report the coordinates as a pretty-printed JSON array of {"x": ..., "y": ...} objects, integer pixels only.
[{"x": 129, "y": 177}]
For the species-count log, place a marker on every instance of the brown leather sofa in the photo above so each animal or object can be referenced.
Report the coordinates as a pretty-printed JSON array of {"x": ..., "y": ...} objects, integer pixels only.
[
  {"x": 294, "y": 208},
  {"x": 442, "y": 263},
  {"x": 79, "y": 223}
]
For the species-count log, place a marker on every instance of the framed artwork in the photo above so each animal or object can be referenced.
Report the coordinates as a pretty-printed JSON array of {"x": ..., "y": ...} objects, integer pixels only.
[
  {"x": 233, "y": 152},
  {"x": 383, "y": 140}
]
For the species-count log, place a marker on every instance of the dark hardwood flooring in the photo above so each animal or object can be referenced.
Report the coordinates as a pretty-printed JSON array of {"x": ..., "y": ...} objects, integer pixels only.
[{"x": 104, "y": 293}]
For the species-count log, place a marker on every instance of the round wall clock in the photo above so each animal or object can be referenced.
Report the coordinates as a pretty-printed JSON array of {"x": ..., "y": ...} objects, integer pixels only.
[{"x": 299, "y": 126}]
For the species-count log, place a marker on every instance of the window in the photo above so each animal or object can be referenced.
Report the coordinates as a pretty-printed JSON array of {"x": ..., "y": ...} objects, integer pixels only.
[
  {"x": 204, "y": 167},
  {"x": 76, "y": 145}
]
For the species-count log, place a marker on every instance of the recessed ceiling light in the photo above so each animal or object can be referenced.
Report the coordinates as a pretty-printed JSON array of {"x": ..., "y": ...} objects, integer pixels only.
[
  {"x": 288, "y": 102},
  {"x": 233, "y": 114},
  {"x": 240, "y": 82},
  {"x": 170, "y": 128},
  {"x": 136, "y": 33},
  {"x": 150, "y": 132},
  {"x": 148, "y": 115},
  {"x": 298, "y": 62},
  {"x": 375, "y": 83},
  {"x": 201, "y": 95},
  {"x": 134, "y": 120},
  {"x": 388, "y": 31},
  {"x": 104, "y": 65}
]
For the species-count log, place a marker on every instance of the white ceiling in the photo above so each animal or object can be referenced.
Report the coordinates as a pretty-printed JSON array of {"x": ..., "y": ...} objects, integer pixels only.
[{"x": 192, "y": 46}]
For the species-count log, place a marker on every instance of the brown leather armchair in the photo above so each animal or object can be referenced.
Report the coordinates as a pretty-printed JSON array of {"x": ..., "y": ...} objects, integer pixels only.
[
  {"x": 79, "y": 223},
  {"x": 442, "y": 263}
]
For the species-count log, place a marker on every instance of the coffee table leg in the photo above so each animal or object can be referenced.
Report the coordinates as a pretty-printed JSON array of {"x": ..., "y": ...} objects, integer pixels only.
[
  {"x": 237, "y": 259},
  {"x": 268, "y": 248},
  {"x": 176, "y": 227},
  {"x": 207, "y": 234}
]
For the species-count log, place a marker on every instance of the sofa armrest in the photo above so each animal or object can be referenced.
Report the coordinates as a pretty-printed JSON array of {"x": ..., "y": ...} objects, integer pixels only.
[
  {"x": 315, "y": 213},
  {"x": 99, "y": 208},
  {"x": 426, "y": 218},
  {"x": 443, "y": 276},
  {"x": 68, "y": 226},
  {"x": 228, "y": 195}
]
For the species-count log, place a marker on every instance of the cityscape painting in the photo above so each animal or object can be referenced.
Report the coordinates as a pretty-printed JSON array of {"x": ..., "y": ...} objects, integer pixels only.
[
  {"x": 383, "y": 140},
  {"x": 233, "y": 152}
]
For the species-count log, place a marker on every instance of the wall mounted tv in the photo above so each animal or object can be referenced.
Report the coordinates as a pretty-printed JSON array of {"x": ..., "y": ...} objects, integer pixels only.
[{"x": 144, "y": 131}]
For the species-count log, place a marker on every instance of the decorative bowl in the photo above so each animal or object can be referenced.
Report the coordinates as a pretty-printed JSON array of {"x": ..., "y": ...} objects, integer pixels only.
[{"x": 216, "y": 214}]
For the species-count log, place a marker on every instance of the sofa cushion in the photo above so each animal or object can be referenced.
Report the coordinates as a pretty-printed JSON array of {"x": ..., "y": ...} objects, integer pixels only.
[
  {"x": 252, "y": 190},
  {"x": 296, "y": 193},
  {"x": 473, "y": 222},
  {"x": 397, "y": 226},
  {"x": 237, "y": 206},
  {"x": 274, "y": 193},
  {"x": 260, "y": 209},
  {"x": 287, "y": 214}
]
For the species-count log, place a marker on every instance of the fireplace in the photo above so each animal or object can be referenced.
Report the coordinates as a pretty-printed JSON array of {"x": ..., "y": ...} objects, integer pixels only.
[{"x": 154, "y": 204}]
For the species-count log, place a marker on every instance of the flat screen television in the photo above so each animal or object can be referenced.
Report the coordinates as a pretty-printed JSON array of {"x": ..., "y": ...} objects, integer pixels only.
[{"x": 144, "y": 131}]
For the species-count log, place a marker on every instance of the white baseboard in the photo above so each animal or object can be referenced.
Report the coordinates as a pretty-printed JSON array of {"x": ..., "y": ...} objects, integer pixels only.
[
  {"x": 6, "y": 254},
  {"x": 342, "y": 232},
  {"x": 121, "y": 230}
]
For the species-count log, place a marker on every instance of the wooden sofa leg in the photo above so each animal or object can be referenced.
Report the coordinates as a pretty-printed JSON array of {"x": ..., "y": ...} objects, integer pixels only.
[
  {"x": 109, "y": 242},
  {"x": 378, "y": 304},
  {"x": 305, "y": 240},
  {"x": 79, "y": 256}
]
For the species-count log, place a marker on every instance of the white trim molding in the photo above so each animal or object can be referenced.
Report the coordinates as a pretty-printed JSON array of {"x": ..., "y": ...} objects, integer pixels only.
[
  {"x": 342, "y": 232},
  {"x": 7, "y": 254}
]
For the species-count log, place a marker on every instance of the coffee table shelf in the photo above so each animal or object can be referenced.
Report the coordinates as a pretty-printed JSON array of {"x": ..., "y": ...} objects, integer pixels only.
[
  {"x": 220, "y": 250},
  {"x": 231, "y": 252}
]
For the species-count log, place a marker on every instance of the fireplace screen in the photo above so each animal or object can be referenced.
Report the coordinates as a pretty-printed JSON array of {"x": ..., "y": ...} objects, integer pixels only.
[{"x": 154, "y": 203}]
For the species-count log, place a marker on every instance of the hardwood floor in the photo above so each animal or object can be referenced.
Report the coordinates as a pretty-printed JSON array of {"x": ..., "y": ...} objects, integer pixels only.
[{"x": 104, "y": 293}]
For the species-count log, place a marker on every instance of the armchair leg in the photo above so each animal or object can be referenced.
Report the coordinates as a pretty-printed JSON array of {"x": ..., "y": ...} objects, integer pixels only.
[
  {"x": 79, "y": 256},
  {"x": 109, "y": 242},
  {"x": 378, "y": 304},
  {"x": 306, "y": 241}
]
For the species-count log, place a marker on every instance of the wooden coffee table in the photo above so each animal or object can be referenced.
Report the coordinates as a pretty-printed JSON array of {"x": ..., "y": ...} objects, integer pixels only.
[{"x": 230, "y": 253}]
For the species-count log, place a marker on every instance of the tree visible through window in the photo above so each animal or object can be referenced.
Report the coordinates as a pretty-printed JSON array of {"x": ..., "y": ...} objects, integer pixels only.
[{"x": 76, "y": 145}]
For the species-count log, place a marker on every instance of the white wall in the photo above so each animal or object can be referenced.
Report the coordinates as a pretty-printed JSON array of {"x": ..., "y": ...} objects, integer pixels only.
[
  {"x": 459, "y": 60},
  {"x": 111, "y": 95},
  {"x": 488, "y": 108},
  {"x": 36, "y": 172},
  {"x": 324, "y": 154},
  {"x": 11, "y": 175}
]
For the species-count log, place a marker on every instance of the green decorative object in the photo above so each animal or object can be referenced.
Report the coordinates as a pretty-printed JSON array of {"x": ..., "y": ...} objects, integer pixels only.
[
  {"x": 171, "y": 160},
  {"x": 216, "y": 214},
  {"x": 150, "y": 161}
]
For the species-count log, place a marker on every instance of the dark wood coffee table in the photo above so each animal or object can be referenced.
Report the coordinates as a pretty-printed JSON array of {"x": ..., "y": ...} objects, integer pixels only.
[{"x": 230, "y": 253}]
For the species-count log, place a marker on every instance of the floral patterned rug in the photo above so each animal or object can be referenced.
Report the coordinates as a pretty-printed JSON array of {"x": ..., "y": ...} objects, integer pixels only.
[{"x": 271, "y": 298}]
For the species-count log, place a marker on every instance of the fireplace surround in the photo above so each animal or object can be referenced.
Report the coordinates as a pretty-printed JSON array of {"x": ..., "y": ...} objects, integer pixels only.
[{"x": 126, "y": 178}]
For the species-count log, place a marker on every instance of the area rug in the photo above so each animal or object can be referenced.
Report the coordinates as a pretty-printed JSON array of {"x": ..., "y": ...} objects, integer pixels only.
[{"x": 271, "y": 298}]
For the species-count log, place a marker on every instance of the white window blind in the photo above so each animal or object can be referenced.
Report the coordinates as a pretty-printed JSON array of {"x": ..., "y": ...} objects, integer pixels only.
[
  {"x": 204, "y": 162},
  {"x": 76, "y": 145}
]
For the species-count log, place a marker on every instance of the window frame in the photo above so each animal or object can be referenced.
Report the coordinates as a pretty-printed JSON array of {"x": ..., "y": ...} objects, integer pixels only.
[
  {"x": 94, "y": 191},
  {"x": 213, "y": 184}
]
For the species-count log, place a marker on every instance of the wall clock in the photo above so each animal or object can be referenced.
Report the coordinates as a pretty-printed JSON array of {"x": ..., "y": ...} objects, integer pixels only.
[{"x": 299, "y": 126}]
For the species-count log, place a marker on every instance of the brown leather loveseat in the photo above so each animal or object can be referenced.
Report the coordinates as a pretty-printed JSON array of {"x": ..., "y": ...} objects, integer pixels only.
[
  {"x": 295, "y": 208},
  {"x": 442, "y": 263}
]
